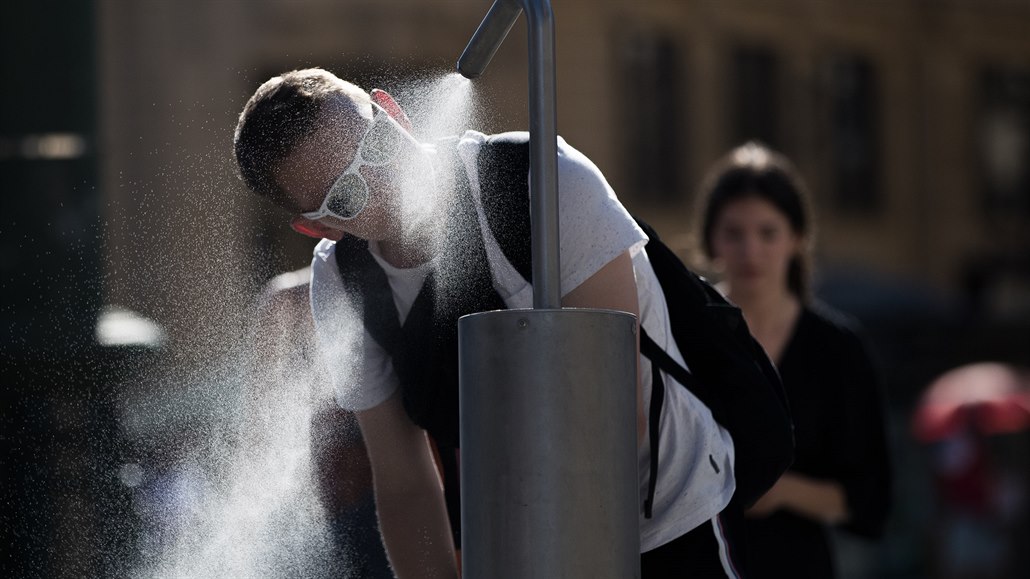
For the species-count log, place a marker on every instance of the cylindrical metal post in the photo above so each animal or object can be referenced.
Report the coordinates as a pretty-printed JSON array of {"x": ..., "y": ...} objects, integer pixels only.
[
  {"x": 548, "y": 398},
  {"x": 548, "y": 444}
]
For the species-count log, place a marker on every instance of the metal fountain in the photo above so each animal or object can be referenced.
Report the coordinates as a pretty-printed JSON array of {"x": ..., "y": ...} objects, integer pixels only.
[{"x": 548, "y": 425}]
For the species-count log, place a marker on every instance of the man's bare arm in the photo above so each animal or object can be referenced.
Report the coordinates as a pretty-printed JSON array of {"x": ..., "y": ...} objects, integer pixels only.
[
  {"x": 613, "y": 287},
  {"x": 409, "y": 496}
]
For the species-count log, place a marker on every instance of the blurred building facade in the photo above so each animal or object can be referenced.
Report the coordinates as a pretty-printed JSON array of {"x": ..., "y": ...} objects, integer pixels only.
[{"x": 910, "y": 119}]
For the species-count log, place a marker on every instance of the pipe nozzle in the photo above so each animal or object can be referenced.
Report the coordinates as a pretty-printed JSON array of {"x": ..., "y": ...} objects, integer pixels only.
[{"x": 488, "y": 37}]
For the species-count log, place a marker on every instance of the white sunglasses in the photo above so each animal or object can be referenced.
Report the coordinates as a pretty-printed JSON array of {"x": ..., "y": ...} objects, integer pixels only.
[{"x": 348, "y": 196}]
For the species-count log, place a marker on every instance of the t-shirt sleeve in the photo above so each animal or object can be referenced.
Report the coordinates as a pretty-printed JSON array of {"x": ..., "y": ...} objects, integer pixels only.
[
  {"x": 360, "y": 371},
  {"x": 594, "y": 227}
]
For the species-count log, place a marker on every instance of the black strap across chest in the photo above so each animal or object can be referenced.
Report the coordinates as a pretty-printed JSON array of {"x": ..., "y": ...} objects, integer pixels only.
[{"x": 424, "y": 350}]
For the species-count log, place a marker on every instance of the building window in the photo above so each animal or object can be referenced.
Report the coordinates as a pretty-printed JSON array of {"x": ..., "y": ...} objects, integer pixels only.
[
  {"x": 651, "y": 109},
  {"x": 754, "y": 96},
  {"x": 851, "y": 141},
  {"x": 1003, "y": 140}
]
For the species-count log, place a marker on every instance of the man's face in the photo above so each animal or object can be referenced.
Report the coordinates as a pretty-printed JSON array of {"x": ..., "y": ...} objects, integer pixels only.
[{"x": 308, "y": 173}]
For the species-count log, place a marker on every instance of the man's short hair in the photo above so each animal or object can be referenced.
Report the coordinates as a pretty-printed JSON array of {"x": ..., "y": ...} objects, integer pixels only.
[{"x": 281, "y": 113}]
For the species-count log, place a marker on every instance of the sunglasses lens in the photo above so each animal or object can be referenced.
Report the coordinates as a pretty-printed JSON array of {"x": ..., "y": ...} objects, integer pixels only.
[
  {"x": 381, "y": 143},
  {"x": 348, "y": 196}
]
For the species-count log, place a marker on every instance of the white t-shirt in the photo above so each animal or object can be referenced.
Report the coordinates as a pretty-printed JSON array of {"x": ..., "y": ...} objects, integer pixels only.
[{"x": 696, "y": 454}]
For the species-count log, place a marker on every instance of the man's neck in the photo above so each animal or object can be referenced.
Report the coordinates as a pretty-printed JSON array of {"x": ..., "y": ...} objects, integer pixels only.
[{"x": 405, "y": 254}]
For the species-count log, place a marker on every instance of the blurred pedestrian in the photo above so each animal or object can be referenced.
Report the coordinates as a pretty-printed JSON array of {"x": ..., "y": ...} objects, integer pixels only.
[
  {"x": 975, "y": 423},
  {"x": 756, "y": 231}
]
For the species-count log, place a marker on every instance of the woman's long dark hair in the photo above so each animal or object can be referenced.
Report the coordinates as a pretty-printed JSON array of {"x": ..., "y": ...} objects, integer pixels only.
[{"x": 754, "y": 170}]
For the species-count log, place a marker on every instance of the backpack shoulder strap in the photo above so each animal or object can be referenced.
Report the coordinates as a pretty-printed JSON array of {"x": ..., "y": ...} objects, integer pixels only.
[
  {"x": 503, "y": 164},
  {"x": 362, "y": 276},
  {"x": 661, "y": 361}
]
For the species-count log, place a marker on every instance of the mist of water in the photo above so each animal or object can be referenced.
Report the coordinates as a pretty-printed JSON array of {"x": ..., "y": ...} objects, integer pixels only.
[
  {"x": 238, "y": 498},
  {"x": 241, "y": 500},
  {"x": 439, "y": 106}
]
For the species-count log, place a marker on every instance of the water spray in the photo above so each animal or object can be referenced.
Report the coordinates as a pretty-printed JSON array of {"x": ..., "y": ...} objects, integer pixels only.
[{"x": 548, "y": 424}]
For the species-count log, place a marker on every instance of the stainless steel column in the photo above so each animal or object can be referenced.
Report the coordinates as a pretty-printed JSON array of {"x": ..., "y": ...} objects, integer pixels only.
[
  {"x": 549, "y": 483},
  {"x": 548, "y": 445}
]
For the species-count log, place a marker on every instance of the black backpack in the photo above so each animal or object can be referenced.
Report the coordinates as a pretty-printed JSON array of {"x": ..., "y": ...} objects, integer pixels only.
[{"x": 729, "y": 371}]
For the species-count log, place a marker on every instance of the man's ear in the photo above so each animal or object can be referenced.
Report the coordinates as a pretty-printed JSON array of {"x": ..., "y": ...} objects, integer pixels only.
[
  {"x": 383, "y": 99},
  {"x": 315, "y": 229}
]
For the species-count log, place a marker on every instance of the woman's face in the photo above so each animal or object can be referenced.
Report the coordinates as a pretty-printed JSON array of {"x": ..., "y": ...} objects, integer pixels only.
[{"x": 752, "y": 243}]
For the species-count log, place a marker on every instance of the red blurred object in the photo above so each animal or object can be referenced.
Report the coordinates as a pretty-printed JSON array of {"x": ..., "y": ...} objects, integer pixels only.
[{"x": 990, "y": 398}]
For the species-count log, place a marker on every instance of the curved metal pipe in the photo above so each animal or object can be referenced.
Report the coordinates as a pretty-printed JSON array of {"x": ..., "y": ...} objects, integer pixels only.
[
  {"x": 488, "y": 37},
  {"x": 543, "y": 131}
]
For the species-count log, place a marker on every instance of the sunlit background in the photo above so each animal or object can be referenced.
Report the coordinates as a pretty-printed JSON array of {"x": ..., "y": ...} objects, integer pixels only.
[{"x": 131, "y": 255}]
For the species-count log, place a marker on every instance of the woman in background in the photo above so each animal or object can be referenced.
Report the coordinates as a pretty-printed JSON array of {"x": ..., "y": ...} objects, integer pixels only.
[{"x": 755, "y": 231}]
